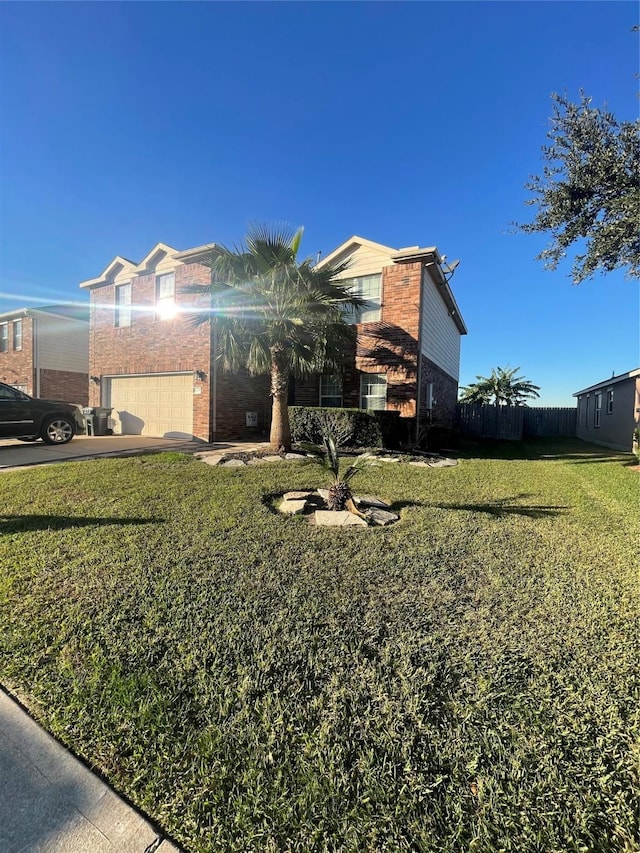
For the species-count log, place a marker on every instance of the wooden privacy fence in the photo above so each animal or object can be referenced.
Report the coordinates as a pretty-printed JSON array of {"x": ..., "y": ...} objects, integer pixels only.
[{"x": 513, "y": 423}]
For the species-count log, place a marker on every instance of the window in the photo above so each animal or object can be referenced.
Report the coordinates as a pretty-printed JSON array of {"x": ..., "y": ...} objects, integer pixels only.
[
  {"x": 4, "y": 337},
  {"x": 123, "y": 305},
  {"x": 8, "y": 393},
  {"x": 367, "y": 287},
  {"x": 331, "y": 391},
  {"x": 166, "y": 296},
  {"x": 597, "y": 410},
  {"x": 17, "y": 334},
  {"x": 373, "y": 391},
  {"x": 610, "y": 401}
]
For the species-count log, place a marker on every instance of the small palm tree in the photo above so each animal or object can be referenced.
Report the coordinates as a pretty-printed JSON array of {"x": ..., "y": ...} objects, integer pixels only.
[
  {"x": 276, "y": 315},
  {"x": 502, "y": 388},
  {"x": 340, "y": 496}
]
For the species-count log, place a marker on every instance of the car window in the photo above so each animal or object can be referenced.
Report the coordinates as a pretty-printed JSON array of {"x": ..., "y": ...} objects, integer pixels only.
[{"x": 7, "y": 393}]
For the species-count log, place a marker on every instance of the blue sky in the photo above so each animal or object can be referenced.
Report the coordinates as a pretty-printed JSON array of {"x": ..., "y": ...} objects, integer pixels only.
[{"x": 126, "y": 124}]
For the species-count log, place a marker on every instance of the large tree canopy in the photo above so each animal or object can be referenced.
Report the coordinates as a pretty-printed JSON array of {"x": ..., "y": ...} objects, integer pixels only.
[
  {"x": 502, "y": 388},
  {"x": 588, "y": 197},
  {"x": 276, "y": 315}
]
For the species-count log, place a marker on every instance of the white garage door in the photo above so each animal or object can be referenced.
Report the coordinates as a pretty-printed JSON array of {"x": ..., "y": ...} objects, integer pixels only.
[{"x": 154, "y": 404}]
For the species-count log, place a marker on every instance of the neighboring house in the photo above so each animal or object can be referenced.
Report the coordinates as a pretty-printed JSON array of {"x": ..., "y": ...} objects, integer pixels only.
[
  {"x": 45, "y": 351},
  {"x": 156, "y": 370},
  {"x": 609, "y": 411}
]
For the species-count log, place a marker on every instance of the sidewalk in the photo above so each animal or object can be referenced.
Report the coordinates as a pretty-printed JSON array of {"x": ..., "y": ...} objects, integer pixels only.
[{"x": 51, "y": 803}]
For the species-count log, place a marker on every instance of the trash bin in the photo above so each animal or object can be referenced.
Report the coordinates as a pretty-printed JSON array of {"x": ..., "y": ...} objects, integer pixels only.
[
  {"x": 101, "y": 420},
  {"x": 97, "y": 420}
]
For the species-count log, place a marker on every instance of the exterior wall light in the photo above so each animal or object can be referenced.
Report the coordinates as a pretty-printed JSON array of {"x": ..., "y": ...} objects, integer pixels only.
[{"x": 200, "y": 375}]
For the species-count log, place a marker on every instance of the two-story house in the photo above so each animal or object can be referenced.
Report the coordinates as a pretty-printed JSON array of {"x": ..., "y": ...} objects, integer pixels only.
[
  {"x": 158, "y": 371},
  {"x": 45, "y": 351}
]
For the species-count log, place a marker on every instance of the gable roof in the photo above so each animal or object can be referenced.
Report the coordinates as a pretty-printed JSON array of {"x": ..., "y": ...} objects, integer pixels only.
[
  {"x": 630, "y": 374},
  {"x": 69, "y": 310},
  {"x": 353, "y": 243}
]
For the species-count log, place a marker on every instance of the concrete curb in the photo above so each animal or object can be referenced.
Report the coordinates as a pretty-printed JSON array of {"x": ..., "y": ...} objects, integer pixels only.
[{"x": 50, "y": 802}]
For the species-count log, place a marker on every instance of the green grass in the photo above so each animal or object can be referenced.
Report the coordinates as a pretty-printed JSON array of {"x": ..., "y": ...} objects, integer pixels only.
[{"x": 465, "y": 680}]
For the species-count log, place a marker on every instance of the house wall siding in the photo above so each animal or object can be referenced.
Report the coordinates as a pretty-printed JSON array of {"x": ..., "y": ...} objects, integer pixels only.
[
  {"x": 616, "y": 429},
  {"x": 63, "y": 344},
  {"x": 16, "y": 366},
  {"x": 440, "y": 342}
]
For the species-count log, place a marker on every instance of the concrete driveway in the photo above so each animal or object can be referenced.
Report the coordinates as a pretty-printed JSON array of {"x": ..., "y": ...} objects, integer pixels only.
[{"x": 20, "y": 454}]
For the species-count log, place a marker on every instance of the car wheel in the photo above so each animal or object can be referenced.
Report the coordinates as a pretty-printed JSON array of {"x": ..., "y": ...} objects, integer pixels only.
[
  {"x": 28, "y": 438},
  {"x": 58, "y": 430}
]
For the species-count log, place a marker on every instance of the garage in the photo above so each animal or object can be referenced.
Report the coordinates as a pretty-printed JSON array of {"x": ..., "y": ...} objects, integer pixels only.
[{"x": 156, "y": 404}]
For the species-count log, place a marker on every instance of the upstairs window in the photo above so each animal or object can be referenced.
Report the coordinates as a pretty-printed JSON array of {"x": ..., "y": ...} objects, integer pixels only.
[
  {"x": 597, "y": 410},
  {"x": 166, "y": 296},
  {"x": 123, "y": 305},
  {"x": 369, "y": 288},
  {"x": 373, "y": 391},
  {"x": 331, "y": 391},
  {"x": 610, "y": 401},
  {"x": 4, "y": 337},
  {"x": 17, "y": 334}
]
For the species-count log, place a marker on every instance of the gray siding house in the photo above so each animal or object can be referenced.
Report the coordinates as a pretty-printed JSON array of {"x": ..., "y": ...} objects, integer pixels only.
[{"x": 609, "y": 411}]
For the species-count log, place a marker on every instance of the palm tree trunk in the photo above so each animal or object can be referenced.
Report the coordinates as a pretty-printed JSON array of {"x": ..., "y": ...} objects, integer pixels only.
[{"x": 280, "y": 436}]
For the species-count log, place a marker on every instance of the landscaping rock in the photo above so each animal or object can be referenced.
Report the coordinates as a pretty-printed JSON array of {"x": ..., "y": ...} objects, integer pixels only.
[
  {"x": 387, "y": 459},
  {"x": 211, "y": 460},
  {"x": 272, "y": 458},
  {"x": 233, "y": 463},
  {"x": 324, "y": 494},
  {"x": 327, "y": 518},
  {"x": 294, "y": 456},
  {"x": 444, "y": 463},
  {"x": 296, "y": 496},
  {"x": 420, "y": 464},
  {"x": 292, "y": 507},
  {"x": 370, "y": 500},
  {"x": 381, "y": 516}
]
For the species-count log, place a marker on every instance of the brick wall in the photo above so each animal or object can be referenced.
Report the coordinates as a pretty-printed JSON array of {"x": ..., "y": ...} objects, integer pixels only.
[
  {"x": 445, "y": 395},
  {"x": 391, "y": 346},
  {"x": 16, "y": 367},
  {"x": 65, "y": 385},
  {"x": 150, "y": 345}
]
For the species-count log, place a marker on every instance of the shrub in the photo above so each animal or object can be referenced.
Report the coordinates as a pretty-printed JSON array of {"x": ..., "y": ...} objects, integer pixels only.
[{"x": 355, "y": 427}]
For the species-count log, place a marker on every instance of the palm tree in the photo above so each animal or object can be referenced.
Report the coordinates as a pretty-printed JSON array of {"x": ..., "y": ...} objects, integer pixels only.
[
  {"x": 276, "y": 315},
  {"x": 502, "y": 388}
]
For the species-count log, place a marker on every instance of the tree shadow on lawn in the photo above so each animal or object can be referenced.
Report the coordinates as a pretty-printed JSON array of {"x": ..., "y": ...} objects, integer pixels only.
[
  {"x": 500, "y": 507},
  {"x": 22, "y": 523}
]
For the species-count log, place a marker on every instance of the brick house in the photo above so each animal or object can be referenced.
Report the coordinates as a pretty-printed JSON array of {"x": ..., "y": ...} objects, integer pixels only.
[
  {"x": 157, "y": 370},
  {"x": 45, "y": 351},
  {"x": 609, "y": 411}
]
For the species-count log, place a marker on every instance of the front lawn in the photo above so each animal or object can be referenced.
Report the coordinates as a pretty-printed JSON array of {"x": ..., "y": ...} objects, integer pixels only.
[{"x": 464, "y": 680}]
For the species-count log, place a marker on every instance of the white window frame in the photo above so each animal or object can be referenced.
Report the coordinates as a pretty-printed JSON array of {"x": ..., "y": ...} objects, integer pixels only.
[
  {"x": 166, "y": 302},
  {"x": 597, "y": 409},
  {"x": 4, "y": 337},
  {"x": 123, "y": 308},
  {"x": 373, "y": 402},
  {"x": 368, "y": 287},
  {"x": 17, "y": 335},
  {"x": 610, "y": 401},
  {"x": 331, "y": 390}
]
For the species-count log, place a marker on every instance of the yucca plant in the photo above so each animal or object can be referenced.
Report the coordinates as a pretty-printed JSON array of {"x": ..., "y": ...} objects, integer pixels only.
[{"x": 340, "y": 496}]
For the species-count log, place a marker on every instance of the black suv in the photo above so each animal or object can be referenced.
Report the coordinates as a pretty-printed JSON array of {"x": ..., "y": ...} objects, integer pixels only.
[{"x": 29, "y": 418}]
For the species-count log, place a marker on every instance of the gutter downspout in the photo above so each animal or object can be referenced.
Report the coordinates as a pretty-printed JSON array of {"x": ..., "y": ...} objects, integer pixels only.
[
  {"x": 423, "y": 273},
  {"x": 35, "y": 350}
]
